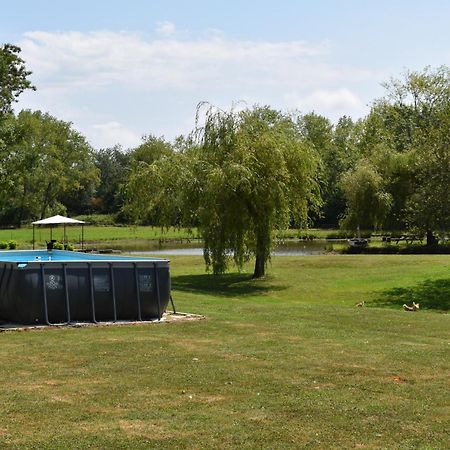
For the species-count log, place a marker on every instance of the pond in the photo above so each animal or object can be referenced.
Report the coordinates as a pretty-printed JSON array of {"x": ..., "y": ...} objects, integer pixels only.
[{"x": 286, "y": 248}]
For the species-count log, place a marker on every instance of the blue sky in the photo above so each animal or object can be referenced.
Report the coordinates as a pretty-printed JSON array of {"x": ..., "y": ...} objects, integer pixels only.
[{"x": 122, "y": 69}]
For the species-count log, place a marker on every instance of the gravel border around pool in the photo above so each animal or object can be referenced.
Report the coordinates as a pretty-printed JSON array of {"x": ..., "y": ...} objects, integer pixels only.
[{"x": 168, "y": 317}]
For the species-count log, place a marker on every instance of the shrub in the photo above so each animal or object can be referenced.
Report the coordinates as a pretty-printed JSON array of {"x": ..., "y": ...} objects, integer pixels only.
[
  {"x": 307, "y": 236},
  {"x": 3, "y": 245},
  {"x": 61, "y": 246},
  {"x": 348, "y": 234},
  {"x": 98, "y": 219},
  {"x": 403, "y": 250},
  {"x": 12, "y": 245}
]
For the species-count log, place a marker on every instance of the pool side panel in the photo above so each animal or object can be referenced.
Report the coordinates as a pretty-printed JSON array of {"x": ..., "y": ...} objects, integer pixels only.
[{"x": 89, "y": 297}]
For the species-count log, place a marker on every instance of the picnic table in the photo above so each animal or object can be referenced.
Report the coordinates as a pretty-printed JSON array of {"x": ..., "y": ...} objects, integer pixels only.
[{"x": 408, "y": 238}]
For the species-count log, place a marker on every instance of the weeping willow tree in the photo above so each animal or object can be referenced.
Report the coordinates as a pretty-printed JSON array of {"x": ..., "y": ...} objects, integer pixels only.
[
  {"x": 241, "y": 177},
  {"x": 367, "y": 201}
]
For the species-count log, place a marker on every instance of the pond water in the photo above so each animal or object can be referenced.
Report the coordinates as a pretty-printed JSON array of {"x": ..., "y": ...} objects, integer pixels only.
[{"x": 286, "y": 248}]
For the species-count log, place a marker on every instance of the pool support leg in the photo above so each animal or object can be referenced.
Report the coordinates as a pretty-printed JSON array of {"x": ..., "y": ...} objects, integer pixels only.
[
  {"x": 44, "y": 295},
  {"x": 138, "y": 294},
  {"x": 113, "y": 291},
  {"x": 66, "y": 289},
  {"x": 173, "y": 304},
  {"x": 91, "y": 283},
  {"x": 157, "y": 291},
  {"x": 1, "y": 278}
]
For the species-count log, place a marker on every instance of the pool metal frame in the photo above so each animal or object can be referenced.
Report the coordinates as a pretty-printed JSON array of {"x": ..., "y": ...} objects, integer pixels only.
[
  {"x": 96, "y": 261},
  {"x": 91, "y": 288}
]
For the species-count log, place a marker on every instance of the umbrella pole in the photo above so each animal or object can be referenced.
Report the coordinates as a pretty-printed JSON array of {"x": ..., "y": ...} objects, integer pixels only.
[
  {"x": 82, "y": 236},
  {"x": 33, "y": 237}
]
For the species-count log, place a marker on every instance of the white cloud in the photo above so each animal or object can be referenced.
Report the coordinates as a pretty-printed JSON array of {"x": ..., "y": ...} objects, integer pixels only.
[
  {"x": 113, "y": 83},
  {"x": 165, "y": 28},
  {"x": 110, "y": 133},
  {"x": 103, "y": 58},
  {"x": 329, "y": 102}
]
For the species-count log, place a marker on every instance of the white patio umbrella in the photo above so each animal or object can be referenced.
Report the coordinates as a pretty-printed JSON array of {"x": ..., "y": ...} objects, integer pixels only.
[{"x": 60, "y": 220}]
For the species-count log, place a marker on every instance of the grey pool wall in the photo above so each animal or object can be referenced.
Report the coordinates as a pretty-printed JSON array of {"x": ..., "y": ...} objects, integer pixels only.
[{"x": 54, "y": 287}]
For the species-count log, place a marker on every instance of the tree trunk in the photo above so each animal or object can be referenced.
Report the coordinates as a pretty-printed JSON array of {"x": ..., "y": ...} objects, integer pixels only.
[
  {"x": 431, "y": 240},
  {"x": 262, "y": 254},
  {"x": 260, "y": 266},
  {"x": 22, "y": 205},
  {"x": 45, "y": 200}
]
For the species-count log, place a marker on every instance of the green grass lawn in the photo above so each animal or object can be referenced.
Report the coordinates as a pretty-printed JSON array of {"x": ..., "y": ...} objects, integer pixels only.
[
  {"x": 109, "y": 235},
  {"x": 137, "y": 237},
  {"x": 285, "y": 362}
]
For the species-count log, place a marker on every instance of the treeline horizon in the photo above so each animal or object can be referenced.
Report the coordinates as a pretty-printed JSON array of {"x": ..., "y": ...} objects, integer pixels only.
[{"x": 387, "y": 170}]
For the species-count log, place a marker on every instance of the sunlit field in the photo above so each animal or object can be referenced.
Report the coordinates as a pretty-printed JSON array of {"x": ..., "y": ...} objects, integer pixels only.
[{"x": 284, "y": 362}]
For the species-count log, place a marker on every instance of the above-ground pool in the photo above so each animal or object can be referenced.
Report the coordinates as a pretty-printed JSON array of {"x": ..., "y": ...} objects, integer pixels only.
[{"x": 54, "y": 287}]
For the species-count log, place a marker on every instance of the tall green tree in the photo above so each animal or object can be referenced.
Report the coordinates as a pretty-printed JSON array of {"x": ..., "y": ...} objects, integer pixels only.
[
  {"x": 242, "y": 177},
  {"x": 113, "y": 165},
  {"x": 338, "y": 150},
  {"x": 13, "y": 77},
  {"x": 344, "y": 157},
  {"x": 144, "y": 158},
  {"x": 318, "y": 132},
  {"x": 48, "y": 160},
  {"x": 368, "y": 203},
  {"x": 428, "y": 207},
  {"x": 150, "y": 150},
  {"x": 419, "y": 106},
  {"x": 13, "y": 81},
  {"x": 406, "y": 138},
  {"x": 162, "y": 193}
]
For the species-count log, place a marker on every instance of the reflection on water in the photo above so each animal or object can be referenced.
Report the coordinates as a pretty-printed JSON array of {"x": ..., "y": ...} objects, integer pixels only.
[
  {"x": 295, "y": 248},
  {"x": 286, "y": 248}
]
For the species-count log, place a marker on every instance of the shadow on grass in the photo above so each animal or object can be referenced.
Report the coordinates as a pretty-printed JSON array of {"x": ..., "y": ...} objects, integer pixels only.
[
  {"x": 228, "y": 285},
  {"x": 431, "y": 294}
]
